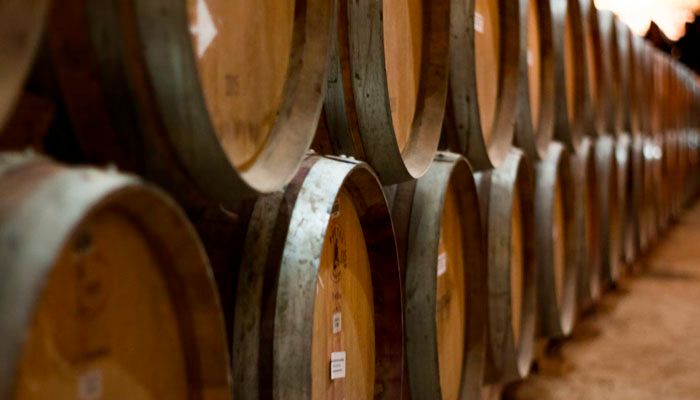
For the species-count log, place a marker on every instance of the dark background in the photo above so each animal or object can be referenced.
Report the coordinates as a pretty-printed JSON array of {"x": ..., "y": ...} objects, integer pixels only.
[{"x": 687, "y": 49}]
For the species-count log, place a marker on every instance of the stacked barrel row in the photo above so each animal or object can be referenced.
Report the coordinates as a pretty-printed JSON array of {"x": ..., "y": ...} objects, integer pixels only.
[{"x": 481, "y": 171}]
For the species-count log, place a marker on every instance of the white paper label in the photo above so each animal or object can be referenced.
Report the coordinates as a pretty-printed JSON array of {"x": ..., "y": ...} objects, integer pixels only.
[
  {"x": 90, "y": 385},
  {"x": 337, "y": 365},
  {"x": 479, "y": 22},
  {"x": 337, "y": 323},
  {"x": 530, "y": 59},
  {"x": 203, "y": 28},
  {"x": 442, "y": 264}
]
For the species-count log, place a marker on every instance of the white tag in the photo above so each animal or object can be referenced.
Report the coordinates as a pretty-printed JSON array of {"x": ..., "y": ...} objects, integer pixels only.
[
  {"x": 90, "y": 385},
  {"x": 442, "y": 264},
  {"x": 337, "y": 323},
  {"x": 337, "y": 365},
  {"x": 478, "y": 22},
  {"x": 204, "y": 28},
  {"x": 530, "y": 58}
]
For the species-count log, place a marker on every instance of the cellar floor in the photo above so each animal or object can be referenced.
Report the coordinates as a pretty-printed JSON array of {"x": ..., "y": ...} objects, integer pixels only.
[{"x": 643, "y": 341}]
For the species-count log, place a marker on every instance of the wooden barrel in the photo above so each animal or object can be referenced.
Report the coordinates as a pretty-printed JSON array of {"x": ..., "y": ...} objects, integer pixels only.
[
  {"x": 657, "y": 187},
  {"x": 555, "y": 236},
  {"x": 687, "y": 167},
  {"x": 652, "y": 188},
  {"x": 667, "y": 176},
  {"x": 660, "y": 93},
  {"x": 649, "y": 92},
  {"x": 218, "y": 98},
  {"x": 666, "y": 93},
  {"x": 569, "y": 72},
  {"x": 693, "y": 177},
  {"x": 106, "y": 290},
  {"x": 639, "y": 127},
  {"x": 666, "y": 136},
  {"x": 636, "y": 106},
  {"x": 318, "y": 310},
  {"x": 625, "y": 86},
  {"x": 507, "y": 209},
  {"x": 595, "y": 68},
  {"x": 587, "y": 220},
  {"x": 535, "y": 121},
  {"x": 648, "y": 148},
  {"x": 677, "y": 207},
  {"x": 21, "y": 27},
  {"x": 694, "y": 142},
  {"x": 686, "y": 104},
  {"x": 682, "y": 167},
  {"x": 679, "y": 131},
  {"x": 439, "y": 236},
  {"x": 610, "y": 54},
  {"x": 388, "y": 84},
  {"x": 694, "y": 173},
  {"x": 672, "y": 174},
  {"x": 677, "y": 134},
  {"x": 484, "y": 72},
  {"x": 647, "y": 196},
  {"x": 625, "y": 196},
  {"x": 609, "y": 207},
  {"x": 689, "y": 159},
  {"x": 634, "y": 223}
]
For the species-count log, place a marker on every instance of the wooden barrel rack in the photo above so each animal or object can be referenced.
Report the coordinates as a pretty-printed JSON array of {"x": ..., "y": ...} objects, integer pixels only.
[
  {"x": 115, "y": 298},
  {"x": 157, "y": 80},
  {"x": 555, "y": 235},
  {"x": 485, "y": 53},
  {"x": 506, "y": 201},
  {"x": 387, "y": 88},
  {"x": 390, "y": 199},
  {"x": 318, "y": 308},
  {"x": 438, "y": 230}
]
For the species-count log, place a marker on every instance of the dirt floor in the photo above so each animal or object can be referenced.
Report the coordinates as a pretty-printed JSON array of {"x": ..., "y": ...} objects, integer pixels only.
[{"x": 643, "y": 341}]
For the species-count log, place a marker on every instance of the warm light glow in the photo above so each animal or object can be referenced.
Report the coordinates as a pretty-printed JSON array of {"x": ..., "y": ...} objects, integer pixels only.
[{"x": 669, "y": 15}]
